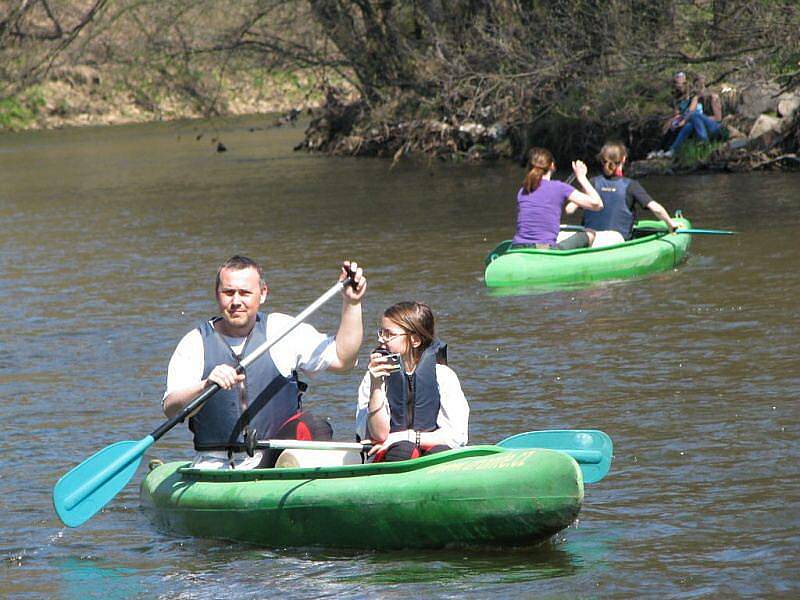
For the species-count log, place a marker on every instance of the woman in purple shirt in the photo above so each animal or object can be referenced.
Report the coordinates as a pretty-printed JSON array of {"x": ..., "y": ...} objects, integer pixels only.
[{"x": 540, "y": 200}]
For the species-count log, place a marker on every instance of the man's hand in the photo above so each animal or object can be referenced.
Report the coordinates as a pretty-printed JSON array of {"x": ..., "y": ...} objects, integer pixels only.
[
  {"x": 353, "y": 293},
  {"x": 225, "y": 376}
]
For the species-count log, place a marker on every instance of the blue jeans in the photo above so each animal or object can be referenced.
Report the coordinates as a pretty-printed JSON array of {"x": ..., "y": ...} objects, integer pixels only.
[{"x": 704, "y": 126}]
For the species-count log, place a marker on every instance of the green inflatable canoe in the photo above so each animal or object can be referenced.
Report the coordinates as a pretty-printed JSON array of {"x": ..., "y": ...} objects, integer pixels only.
[
  {"x": 563, "y": 268},
  {"x": 479, "y": 495}
]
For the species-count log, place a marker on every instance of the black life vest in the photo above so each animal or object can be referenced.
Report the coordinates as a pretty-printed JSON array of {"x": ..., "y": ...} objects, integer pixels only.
[
  {"x": 269, "y": 398},
  {"x": 414, "y": 400},
  {"x": 615, "y": 215}
]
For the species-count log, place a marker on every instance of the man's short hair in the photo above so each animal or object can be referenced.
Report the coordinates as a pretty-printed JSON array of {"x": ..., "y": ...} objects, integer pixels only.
[{"x": 238, "y": 262}]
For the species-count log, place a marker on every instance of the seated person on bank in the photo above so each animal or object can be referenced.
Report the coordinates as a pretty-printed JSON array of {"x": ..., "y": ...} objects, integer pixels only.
[
  {"x": 621, "y": 196},
  {"x": 265, "y": 402},
  {"x": 703, "y": 117},
  {"x": 697, "y": 111},
  {"x": 413, "y": 406}
]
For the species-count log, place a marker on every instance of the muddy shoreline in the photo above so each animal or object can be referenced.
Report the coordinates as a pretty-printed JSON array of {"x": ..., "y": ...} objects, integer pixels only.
[{"x": 342, "y": 125}]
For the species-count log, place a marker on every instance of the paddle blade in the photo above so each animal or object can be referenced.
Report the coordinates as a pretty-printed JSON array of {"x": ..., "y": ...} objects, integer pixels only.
[
  {"x": 591, "y": 449},
  {"x": 498, "y": 250},
  {"x": 87, "y": 488},
  {"x": 686, "y": 230},
  {"x": 706, "y": 231}
]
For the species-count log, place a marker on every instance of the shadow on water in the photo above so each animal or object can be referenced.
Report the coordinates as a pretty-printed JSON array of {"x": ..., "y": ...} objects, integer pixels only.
[
  {"x": 459, "y": 568},
  {"x": 535, "y": 290}
]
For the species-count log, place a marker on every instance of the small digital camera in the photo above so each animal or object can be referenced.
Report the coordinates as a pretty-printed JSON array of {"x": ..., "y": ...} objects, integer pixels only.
[{"x": 392, "y": 358}]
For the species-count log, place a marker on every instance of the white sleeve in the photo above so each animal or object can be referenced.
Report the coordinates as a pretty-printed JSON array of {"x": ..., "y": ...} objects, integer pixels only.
[
  {"x": 186, "y": 365},
  {"x": 453, "y": 419},
  {"x": 363, "y": 407},
  {"x": 304, "y": 348}
]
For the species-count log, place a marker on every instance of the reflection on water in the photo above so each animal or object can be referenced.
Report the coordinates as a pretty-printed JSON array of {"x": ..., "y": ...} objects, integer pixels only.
[
  {"x": 110, "y": 239},
  {"x": 94, "y": 578}
]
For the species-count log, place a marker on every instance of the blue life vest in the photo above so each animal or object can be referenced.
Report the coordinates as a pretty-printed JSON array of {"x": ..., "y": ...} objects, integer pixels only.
[
  {"x": 269, "y": 398},
  {"x": 615, "y": 215},
  {"x": 414, "y": 400},
  {"x": 683, "y": 107}
]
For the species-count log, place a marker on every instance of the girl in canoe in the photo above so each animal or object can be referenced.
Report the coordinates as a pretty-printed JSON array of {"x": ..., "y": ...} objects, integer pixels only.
[
  {"x": 412, "y": 404},
  {"x": 621, "y": 195},
  {"x": 540, "y": 200}
]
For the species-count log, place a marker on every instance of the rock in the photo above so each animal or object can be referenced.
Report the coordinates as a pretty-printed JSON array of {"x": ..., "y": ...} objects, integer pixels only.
[
  {"x": 473, "y": 129},
  {"x": 787, "y": 105},
  {"x": 496, "y": 131},
  {"x": 758, "y": 98},
  {"x": 765, "y": 124},
  {"x": 439, "y": 126},
  {"x": 739, "y": 142},
  {"x": 734, "y": 133}
]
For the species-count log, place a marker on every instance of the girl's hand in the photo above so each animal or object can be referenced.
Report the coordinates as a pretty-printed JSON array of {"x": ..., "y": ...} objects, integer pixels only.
[
  {"x": 380, "y": 367},
  {"x": 579, "y": 168},
  {"x": 672, "y": 225},
  {"x": 397, "y": 436}
]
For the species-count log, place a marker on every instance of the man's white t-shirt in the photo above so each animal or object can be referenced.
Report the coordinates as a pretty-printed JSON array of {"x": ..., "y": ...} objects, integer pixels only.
[{"x": 304, "y": 349}]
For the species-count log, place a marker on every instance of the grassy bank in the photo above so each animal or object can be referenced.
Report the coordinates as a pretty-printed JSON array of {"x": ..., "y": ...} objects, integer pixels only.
[{"x": 84, "y": 95}]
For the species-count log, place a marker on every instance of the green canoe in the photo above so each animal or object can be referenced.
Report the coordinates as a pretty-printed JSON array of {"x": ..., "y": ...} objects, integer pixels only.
[
  {"x": 562, "y": 268},
  {"x": 484, "y": 495}
]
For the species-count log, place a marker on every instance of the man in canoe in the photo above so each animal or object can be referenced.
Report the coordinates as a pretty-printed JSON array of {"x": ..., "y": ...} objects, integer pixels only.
[
  {"x": 613, "y": 224},
  {"x": 266, "y": 402}
]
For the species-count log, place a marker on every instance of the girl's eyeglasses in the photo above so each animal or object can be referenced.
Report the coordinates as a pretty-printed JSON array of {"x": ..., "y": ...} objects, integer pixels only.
[{"x": 385, "y": 336}]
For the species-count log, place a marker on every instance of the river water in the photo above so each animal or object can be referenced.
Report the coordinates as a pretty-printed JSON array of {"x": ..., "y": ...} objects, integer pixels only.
[{"x": 110, "y": 239}]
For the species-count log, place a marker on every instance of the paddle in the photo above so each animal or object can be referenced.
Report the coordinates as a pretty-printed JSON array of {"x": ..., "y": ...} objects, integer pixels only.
[
  {"x": 311, "y": 445},
  {"x": 591, "y": 449},
  {"x": 501, "y": 248},
  {"x": 660, "y": 230},
  {"x": 88, "y": 487},
  {"x": 687, "y": 230}
]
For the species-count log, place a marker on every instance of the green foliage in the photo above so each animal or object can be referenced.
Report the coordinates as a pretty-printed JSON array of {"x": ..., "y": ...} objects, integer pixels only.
[
  {"x": 19, "y": 112},
  {"x": 694, "y": 152}
]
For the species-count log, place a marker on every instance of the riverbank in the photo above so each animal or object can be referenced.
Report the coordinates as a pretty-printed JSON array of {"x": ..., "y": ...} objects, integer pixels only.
[
  {"x": 762, "y": 123},
  {"x": 761, "y": 130},
  {"x": 83, "y": 95}
]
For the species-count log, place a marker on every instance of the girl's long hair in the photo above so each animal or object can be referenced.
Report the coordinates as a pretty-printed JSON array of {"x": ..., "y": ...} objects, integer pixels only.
[
  {"x": 414, "y": 317},
  {"x": 541, "y": 161}
]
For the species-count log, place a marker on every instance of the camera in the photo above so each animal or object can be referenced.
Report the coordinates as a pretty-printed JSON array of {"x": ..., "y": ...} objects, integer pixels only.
[{"x": 392, "y": 358}]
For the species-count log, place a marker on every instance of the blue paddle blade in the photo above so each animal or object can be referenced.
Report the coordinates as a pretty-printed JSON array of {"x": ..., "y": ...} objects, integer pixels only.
[
  {"x": 593, "y": 450},
  {"x": 690, "y": 231},
  {"x": 706, "y": 231},
  {"x": 87, "y": 488}
]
